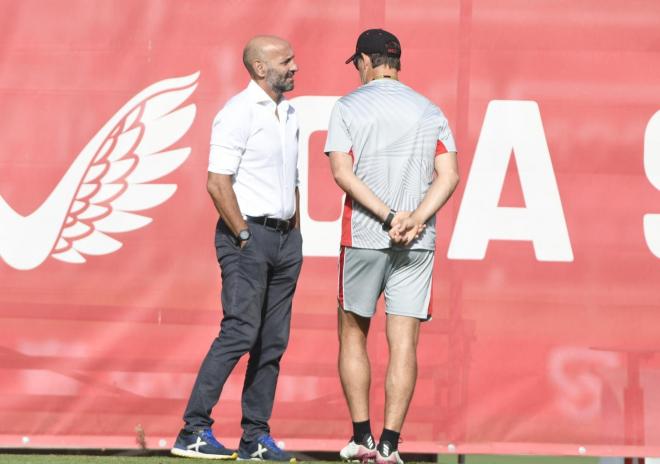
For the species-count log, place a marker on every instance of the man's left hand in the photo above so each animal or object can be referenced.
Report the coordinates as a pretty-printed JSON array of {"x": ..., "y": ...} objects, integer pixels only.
[{"x": 404, "y": 228}]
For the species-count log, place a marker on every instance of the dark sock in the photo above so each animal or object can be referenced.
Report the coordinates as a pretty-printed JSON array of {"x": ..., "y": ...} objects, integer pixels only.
[
  {"x": 360, "y": 429},
  {"x": 392, "y": 438}
]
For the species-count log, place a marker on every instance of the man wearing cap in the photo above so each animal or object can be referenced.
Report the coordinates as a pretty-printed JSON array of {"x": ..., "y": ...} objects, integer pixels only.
[
  {"x": 392, "y": 152},
  {"x": 252, "y": 180}
]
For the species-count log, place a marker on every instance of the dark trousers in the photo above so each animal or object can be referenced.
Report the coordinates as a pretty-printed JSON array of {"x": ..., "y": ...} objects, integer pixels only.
[{"x": 258, "y": 283}]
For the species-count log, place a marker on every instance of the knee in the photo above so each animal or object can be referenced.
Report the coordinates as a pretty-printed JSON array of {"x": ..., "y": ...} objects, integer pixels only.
[
  {"x": 269, "y": 347},
  {"x": 352, "y": 336},
  {"x": 277, "y": 343},
  {"x": 404, "y": 348},
  {"x": 241, "y": 336}
]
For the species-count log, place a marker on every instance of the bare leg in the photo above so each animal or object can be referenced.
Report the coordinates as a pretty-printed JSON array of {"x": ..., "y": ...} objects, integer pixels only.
[
  {"x": 402, "y": 336},
  {"x": 354, "y": 369}
]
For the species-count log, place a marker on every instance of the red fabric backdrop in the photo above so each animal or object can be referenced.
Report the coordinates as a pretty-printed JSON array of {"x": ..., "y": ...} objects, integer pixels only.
[{"x": 545, "y": 341}]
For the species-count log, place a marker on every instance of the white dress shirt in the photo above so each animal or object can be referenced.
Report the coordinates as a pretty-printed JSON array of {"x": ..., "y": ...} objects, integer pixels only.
[{"x": 259, "y": 148}]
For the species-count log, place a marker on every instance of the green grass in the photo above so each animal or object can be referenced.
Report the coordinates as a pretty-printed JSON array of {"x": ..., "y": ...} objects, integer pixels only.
[
  {"x": 485, "y": 459},
  {"x": 82, "y": 459},
  {"x": 443, "y": 459}
]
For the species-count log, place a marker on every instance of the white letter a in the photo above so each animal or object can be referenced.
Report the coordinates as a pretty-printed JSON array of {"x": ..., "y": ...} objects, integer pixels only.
[
  {"x": 652, "y": 169},
  {"x": 511, "y": 127}
]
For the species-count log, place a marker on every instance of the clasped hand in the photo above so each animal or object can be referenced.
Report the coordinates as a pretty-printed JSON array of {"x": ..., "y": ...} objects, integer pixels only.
[{"x": 405, "y": 229}]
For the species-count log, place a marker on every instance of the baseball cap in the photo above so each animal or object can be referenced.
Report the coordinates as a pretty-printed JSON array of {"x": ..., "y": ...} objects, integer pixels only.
[{"x": 376, "y": 41}]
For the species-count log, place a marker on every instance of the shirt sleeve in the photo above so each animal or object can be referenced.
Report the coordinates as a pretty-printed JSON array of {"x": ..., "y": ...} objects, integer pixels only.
[
  {"x": 445, "y": 139},
  {"x": 229, "y": 136},
  {"x": 297, "y": 144},
  {"x": 339, "y": 138}
]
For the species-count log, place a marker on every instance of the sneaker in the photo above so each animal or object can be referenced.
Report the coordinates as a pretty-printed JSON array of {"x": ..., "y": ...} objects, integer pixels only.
[
  {"x": 385, "y": 454},
  {"x": 363, "y": 451},
  {"x": 263, "y": 449},
  {"x": 200, "y": 444}
]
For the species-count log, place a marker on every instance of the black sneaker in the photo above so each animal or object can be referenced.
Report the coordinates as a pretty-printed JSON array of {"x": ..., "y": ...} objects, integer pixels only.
[
  {"x": 200, "y": 444},
  {"x": 263, "y": 449}
]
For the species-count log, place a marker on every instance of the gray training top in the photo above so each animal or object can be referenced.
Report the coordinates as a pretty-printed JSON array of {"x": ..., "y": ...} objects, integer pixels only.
[{"x": 393, "y": 134}]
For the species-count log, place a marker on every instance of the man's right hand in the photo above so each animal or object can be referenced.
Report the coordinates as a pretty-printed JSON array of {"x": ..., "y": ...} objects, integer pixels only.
[
  {"x": 405, "y": 229},
  {"x": 243, "y": 236}
]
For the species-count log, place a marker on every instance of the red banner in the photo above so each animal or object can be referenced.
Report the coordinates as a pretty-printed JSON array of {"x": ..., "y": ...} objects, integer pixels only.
[{"x": 546, "y": 302}]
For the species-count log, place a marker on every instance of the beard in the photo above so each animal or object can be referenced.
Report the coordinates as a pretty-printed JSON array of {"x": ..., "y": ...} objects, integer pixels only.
[{"x": 280, "y": 82}]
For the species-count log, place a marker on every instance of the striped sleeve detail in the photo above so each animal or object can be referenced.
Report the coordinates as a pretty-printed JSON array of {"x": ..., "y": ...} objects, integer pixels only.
[{"x": 440, "y": 148}]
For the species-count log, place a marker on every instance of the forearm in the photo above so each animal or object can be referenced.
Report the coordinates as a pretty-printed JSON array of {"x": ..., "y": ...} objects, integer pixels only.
[
  {"x": 222, "y": 193},
  {"x": 297, "y": 215},
  {"x": 360, "y": 192},
  {"x": 437, "y": 195}
]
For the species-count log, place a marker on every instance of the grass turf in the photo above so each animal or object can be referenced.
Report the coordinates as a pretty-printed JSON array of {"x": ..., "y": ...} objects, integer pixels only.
[{"x": 443, "y": 459}]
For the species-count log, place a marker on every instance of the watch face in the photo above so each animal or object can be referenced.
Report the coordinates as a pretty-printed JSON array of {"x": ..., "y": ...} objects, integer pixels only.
[{"x": 244, "y": 235}]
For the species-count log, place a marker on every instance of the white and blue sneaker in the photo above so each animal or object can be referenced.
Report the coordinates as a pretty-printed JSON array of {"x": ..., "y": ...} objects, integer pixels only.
[
  {"x": 200, "y": 444},
  {"x": 263, "y": 449}
]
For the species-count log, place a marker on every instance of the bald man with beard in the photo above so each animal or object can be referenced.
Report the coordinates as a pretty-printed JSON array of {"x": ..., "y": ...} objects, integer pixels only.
[{"x": 253, "y": 182}]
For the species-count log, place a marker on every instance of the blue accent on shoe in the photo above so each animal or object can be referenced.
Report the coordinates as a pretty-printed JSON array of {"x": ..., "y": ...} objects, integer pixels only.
[
  {"x": 263, "y": 449},
  {"x": 200, "y": 444},
  {"x": 207, "y": 435}
]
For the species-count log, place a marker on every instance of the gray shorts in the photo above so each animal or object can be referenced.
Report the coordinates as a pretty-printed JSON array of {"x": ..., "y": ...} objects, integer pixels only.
[{"x": 403, "y": 275}]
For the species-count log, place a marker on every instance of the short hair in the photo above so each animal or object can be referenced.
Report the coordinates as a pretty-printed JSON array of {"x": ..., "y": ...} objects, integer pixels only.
[
  {"x": 248, "y": 59},
  {"x": 378, "y": 59}
]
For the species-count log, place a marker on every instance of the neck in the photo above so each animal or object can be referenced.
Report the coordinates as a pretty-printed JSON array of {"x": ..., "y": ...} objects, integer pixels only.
[
  {"x": 387, "y": 73},
  {"x": 276, "y": 96}
]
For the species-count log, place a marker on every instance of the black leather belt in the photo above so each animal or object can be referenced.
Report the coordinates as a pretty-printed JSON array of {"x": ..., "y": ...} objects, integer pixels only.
[{"x": 281, "y": 225}]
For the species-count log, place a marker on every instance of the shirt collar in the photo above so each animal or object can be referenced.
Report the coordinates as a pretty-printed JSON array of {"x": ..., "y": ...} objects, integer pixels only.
[
  {"x": 259, "y": 95},
  {"x": 383, "y": 81}
]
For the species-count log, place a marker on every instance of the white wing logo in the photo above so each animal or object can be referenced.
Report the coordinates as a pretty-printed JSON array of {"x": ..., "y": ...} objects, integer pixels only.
[{"x": 111, "y": 178}]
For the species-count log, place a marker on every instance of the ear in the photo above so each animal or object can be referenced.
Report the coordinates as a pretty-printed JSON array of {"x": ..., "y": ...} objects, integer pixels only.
[
  {"x": 366, "y": 59},
  {"x": 260, "y": 68}
]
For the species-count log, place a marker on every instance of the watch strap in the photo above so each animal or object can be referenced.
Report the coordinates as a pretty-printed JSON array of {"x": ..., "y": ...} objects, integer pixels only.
[
  {"x": 243, "y": 235},
  {"x": 387, "y": 224}
]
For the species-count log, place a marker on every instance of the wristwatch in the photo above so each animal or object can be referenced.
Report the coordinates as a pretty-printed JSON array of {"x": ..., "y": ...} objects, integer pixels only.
[
  {"x": 387, "y": 224},
  {"x": 243, "y": 236}
]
